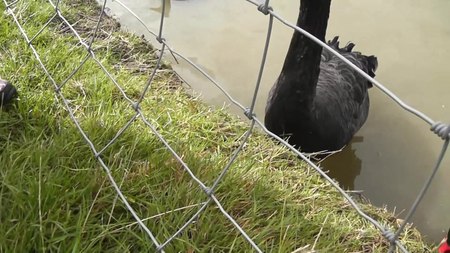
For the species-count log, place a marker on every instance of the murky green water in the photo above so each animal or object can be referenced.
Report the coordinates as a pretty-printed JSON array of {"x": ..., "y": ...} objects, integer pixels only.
[{"x": 394, "y": 152}]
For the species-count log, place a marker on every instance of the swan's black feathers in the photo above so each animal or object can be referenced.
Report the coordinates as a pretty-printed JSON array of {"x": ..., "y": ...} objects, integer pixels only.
[
  {"x": 339, "y": 107},
  {"x": 347, "y": 102},
  {"x": 349, "y": 47}
]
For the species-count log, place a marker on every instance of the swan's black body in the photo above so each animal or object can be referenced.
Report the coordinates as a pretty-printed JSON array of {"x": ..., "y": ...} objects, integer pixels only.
[{"x": 318, "y": 102}]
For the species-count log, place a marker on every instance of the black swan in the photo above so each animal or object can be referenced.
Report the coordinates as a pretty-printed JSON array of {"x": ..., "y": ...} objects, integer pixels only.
[
  {"x": 318, "y": 102},
  {"x": 7, "y": 92}
]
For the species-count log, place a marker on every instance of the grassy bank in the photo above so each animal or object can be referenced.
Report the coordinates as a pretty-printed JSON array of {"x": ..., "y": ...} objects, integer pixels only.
[{"x": 55, "y": 197}]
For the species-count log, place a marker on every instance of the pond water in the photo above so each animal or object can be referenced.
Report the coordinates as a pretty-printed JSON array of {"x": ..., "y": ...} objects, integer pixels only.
[{"x": 394, "y": 152}]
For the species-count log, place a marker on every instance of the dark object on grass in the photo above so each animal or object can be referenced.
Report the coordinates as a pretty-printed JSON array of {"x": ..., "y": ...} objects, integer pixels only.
[
  {"x": 7, "y": 92},
  {"x": 318, "y": 102},
  {"x": 444, "y": 247}
]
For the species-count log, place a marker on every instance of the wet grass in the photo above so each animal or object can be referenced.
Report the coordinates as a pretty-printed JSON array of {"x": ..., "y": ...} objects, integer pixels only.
[{"x": 55, "y": 197}]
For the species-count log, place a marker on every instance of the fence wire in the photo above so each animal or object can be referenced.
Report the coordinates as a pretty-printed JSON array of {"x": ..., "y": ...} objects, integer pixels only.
[{"x": 442, "y": 130}]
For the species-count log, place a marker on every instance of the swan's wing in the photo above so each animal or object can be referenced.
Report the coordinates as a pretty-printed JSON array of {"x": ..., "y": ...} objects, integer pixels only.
[{"x": 342, "y": 100}]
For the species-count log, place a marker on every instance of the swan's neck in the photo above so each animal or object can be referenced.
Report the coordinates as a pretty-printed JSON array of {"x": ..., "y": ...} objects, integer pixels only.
[{"x": 303, "y": 57}]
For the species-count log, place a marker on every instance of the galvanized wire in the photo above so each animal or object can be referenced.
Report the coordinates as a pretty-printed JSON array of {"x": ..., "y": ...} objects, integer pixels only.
[{"x": 440, "y": 129}]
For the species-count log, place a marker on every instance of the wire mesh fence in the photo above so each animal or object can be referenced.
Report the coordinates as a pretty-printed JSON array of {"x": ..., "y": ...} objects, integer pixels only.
[{"x": 442, "y": 130}]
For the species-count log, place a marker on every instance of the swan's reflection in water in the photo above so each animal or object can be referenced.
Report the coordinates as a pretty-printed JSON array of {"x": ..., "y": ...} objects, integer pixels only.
[
  {"x": 167, "y": 7},
  {"x": 344, "y": 166}
]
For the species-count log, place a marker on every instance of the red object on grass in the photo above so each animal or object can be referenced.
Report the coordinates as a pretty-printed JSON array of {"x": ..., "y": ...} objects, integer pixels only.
[{"x": 445, "y": 244}]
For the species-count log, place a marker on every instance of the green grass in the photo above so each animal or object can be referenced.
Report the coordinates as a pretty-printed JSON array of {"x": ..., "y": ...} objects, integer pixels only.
[{"x": 55, "y": 196}]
